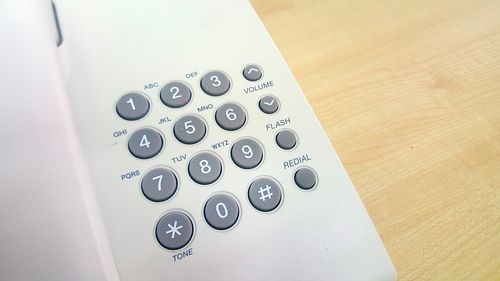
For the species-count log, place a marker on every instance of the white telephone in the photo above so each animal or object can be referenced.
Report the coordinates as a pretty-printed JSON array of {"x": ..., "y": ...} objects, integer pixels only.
[{"x": 166, "y": 140}]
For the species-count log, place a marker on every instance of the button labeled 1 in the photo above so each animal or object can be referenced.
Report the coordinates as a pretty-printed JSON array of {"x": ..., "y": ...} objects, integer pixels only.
[{"x": 221, "y": 211}]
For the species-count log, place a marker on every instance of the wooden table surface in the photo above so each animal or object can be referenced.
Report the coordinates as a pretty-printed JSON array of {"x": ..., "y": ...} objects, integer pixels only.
[{"x": 409, "y": 94}]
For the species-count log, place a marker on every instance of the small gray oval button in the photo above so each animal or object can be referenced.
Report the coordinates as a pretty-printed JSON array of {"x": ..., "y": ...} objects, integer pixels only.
[
  {"x": 215, "y": 83},
  {"x": 247, "y": 153},
  {"x": 175, "y": 94},
  {"x": 269, "y": 104},
  {"x": 190, "y": 129},
  {"x": 132, "y": 106},
  {"x": 205, "y": 168},
  {"x": 264, "y": 194},
  {"x": 252, "y": 72},
  {"x": 159, "y": 184},
  {"x": 305, "y": 178},
  {"x": 230, "y": 116},
  {"x": 286, "y": 139},
  {"x": 221, "y": 211},
  {"x": 174, "y": 230},
  {"x": 145, "y": 143}
]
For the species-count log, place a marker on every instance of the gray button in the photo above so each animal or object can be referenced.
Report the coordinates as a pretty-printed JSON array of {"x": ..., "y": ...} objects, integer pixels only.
[
  {"x": 132, "y": 106},
  {"x": 230, "y": 116},
  {"x": 221, "y": 211},
  {"x": 174, "y": 230},
  {"x": 175, "y": 94},
  {"x": 264, "y": 194},
  {"x": 145, "y": 143},
  {"x": 286, "y": 139},
  {"x": 215, "y": 83},
  {"x": 205, "y": 168},
  {"x": 269, "y": 104},
  {"x": 252, "y": 72},
  {"x": 247, "y": 153},
  {"x": 189, "y": 129},
  {"x": 305, "y": 178},
  {"x": 159, "y": 184}
]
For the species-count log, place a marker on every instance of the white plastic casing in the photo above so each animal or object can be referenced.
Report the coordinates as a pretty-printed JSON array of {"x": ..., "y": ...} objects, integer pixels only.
[{"x": 114, "y": 47}]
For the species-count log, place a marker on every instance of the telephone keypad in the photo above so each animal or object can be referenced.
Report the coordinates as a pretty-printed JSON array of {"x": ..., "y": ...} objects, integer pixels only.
[
  {"x": 145, "y": 143},
  {"x": 221, "y": 211},
  {"x": 132, "y": 106}
]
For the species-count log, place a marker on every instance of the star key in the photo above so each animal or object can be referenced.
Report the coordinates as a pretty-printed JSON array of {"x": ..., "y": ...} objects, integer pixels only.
[{"x": 174, "y": 230}]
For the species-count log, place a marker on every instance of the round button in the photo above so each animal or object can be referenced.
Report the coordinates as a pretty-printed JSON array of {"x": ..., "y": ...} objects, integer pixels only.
[
  {"x": 175, "y": 94},
  {"x": 269, "y": 104},
  {"x": 252, "y": 72},
  {"x": 145, "y": 143},
  {"x": 305, "y": 178},
  {"x": 174, "y": 230},
  {"x": 286, "y": 139},
  {"x": 205, "y": 168},
  {"x": 247, "y": 153},
  {"x": 215, "y": 83},
  {"x": 230, "y": 116},
  {"x": 264, "y": 194},
  {"x": 132, "y": 106},
  {"x": 159, "y": 184},
  {"x": 221, "y": 211},
  {"x": 190, "y": 129}
]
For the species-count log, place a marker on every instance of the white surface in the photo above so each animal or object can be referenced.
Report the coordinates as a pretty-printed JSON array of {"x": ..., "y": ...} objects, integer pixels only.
[
  {"x": 113, "y": 47},
  {"x": 49, "y": 226}
]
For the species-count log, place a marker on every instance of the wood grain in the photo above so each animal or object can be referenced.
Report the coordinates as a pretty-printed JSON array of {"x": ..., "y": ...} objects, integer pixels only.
[{"x": 409, "y": 94}]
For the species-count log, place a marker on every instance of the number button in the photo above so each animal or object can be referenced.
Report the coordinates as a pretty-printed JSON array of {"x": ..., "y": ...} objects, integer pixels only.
[
  {"x": 132, "y": 106},
  {"x": 190, "y": 129},
  {"x": 159, "y": 184},
  {"x": 230, "y": 116},
  {"x": 175, "y": 94},
  {"x": 174, "y": 230},
  {"x": 145, "y": 143},
  {"x": 247, "y": 153},
  {"x": 205, "y": 168},
  {"x": 221, "y": 211},
  {"x": 215, "y": 83},
  {"x": 265, "y": 194}
]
